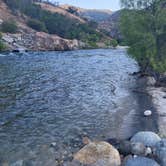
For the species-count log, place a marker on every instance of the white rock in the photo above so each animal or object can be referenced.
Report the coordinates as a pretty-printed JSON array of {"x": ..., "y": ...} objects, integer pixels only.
[
  {"x": 53, "y": 144},
  {"x": 148, "y": 151},
  {"x": 148, "y": 113}
]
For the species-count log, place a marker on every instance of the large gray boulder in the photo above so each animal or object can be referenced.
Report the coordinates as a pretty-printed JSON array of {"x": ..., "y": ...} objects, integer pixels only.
[
  {"x": 148, "y": 138},
  {"x": 160, "y": 152},
  {"x": 140, "y": 161}
]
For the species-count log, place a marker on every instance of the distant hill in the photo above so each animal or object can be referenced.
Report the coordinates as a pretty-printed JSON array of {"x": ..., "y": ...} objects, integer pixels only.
[
  {"x": 107, "y": 20},
  {"x": 96, "y": 15},
  {"x": 63, "y": 27}
]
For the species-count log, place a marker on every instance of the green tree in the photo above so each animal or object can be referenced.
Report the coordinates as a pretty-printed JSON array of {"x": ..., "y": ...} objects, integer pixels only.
[
  {"x": 143, "y": 25},
  {"x": 9, "y": 26},
  {"x": 2, "y": 45},
  {"x": 37, "y": 25}
]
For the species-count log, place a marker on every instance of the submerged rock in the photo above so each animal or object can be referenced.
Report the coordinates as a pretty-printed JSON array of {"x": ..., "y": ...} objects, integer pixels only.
[
  {"x": 140, "y": 161},
  {"x": 160, "y": 152},
  {"x": 98, "y": 154},
  {"x": 146, "y": 137}
]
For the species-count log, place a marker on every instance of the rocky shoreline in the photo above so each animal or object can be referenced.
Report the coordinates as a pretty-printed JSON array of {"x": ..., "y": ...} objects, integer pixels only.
[{"x": 145, "y": 148}]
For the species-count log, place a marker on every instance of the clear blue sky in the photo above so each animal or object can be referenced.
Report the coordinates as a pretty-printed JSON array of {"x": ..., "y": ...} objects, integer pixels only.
[{"x": 93, "y": 4}]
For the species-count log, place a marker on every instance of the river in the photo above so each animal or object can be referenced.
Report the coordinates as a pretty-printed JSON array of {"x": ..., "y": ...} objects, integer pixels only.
[{"x": 59, "y": 97}]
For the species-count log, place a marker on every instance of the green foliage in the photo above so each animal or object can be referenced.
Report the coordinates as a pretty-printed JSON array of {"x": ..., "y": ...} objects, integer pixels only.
[
  {"x": 37, "y": 25},
  {"x": 2, "y": 45},
  {"x": 143, "y": 26},
  {"x": 9, "y": 26},
  {"x": 113, "y": 43}
]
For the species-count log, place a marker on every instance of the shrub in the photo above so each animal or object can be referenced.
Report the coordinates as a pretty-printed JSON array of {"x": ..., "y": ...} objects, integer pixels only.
[
  {"x": 2, "y": 46},
  {"x": 37, "y": 25},
  {"x": 113, "y": 43},
  {"x": 9, "y": 26}
]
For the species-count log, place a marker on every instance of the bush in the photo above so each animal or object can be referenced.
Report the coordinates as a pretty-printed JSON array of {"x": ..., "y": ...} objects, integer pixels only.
[
  {"x": 113, "y": 43},
  {"x": 9, "y": 26},
  {"x": 2, "y": 46},
  {"x": 37, "y": 25}
]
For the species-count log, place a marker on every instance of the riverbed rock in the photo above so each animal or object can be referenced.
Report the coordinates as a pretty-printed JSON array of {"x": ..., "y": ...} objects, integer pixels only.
[
  {"x": 138, "y": 148},
  {"x": 160, "y": 152},
  {"x": 148, "y": 113},
  {"x": 98, "y": 154},
  {"x": 148, "y": 138},
  {"x": 125, "y": 147},
  {"x": 140, "y": 161}
]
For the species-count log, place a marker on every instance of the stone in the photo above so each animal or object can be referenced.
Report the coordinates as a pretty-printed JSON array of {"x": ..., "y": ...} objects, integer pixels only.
[
  {"x": 148, "y": 138},
  {"x": 148, "y": 113},
  {"x": 160, "y": 152},
  {"x": 53, "y": 144},
  {"x": 138, "y": 148},
  {"x": 98, "y": 154},
  {"x": 140, "y": 161},
  {"x": 1, "y": 21},
  {"x": 125, "y": 147},
  {"x": 148, "y": 151},
  {"x": 151, "y": 81}
]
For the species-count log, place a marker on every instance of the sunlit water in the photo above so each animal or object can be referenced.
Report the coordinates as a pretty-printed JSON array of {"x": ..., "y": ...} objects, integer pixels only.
[{"x": 60, "y": 97}]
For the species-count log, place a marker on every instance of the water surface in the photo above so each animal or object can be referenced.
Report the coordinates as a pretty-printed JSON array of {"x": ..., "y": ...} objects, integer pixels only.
[{"x": 60, "y": 97}]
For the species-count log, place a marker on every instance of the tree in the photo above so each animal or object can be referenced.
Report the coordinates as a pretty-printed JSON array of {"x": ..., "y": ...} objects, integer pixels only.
[
  {"x": 37, "y": 25},
  {"x": 2, "y": 45},
  {"x": 143, "y": 25},
  {"x": 9, "y": 26}
]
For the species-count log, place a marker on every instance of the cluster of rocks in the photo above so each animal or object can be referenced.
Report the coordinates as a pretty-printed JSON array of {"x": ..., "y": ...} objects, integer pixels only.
[
  {"x": 143, "y": 149},
  {"x": 39, "y": 41}
]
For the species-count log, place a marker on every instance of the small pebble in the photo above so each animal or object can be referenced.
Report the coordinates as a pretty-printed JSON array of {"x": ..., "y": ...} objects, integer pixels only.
[
  {"x": 148, "y": 151},
  {"x": 147, "y": 113},
  {"x": 53, "y": 144}
]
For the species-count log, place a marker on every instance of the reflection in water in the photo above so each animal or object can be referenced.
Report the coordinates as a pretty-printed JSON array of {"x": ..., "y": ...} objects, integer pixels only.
[{"x": 59, "y": 97}]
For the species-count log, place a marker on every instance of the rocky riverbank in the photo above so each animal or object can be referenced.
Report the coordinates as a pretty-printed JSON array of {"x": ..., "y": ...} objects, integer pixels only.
[{"x": 145, "y": 148}]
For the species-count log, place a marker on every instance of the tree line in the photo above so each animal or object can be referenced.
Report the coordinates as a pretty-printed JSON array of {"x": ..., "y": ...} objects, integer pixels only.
[{"x": 143, "y": 25}]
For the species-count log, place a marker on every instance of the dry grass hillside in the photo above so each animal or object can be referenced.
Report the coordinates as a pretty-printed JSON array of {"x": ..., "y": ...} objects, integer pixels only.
[{"x": 60, "y": 10}]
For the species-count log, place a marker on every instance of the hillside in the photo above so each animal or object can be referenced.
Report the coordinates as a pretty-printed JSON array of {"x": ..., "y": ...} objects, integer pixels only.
[
  {"x": 96, "y": 15},
  {"x": 42, "y": 26},
  {"x": 108, "y": 21}
]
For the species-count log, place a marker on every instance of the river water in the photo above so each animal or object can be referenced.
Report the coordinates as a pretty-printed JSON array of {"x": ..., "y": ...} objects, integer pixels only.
[{"x": 59, "y": 97}]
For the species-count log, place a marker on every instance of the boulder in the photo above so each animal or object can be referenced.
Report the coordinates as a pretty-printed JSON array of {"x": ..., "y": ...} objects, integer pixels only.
[
  {"x": 160, "y": 152},
  {"x": 140, "y": 161},
  {"x": 98, "y": 154},
  {"x": 148, "y": 138}
]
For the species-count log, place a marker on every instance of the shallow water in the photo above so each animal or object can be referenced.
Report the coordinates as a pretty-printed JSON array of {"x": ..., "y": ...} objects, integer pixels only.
[{"x": 60, "y": 97}]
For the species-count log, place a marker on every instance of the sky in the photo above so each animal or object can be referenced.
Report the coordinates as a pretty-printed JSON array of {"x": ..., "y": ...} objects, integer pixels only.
[{"x": 93, "y": 4}]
